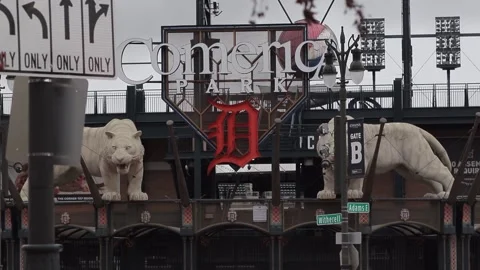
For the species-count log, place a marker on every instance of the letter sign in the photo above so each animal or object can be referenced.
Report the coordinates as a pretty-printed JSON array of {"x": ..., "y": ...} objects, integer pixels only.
[
  {"x": 356, "y": 153},
  {"x": 227, "y": 120},
  {"x": 58, "y": 38}
]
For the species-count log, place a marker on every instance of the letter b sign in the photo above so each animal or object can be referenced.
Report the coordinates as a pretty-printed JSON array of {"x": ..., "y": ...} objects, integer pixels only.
[
  {"x": 356, "y": 149},
  {"x": 356, "y": 161}
]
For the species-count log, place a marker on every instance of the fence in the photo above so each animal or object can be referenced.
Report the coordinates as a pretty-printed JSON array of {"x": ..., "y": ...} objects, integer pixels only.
[{"x": 321, "y": 98}]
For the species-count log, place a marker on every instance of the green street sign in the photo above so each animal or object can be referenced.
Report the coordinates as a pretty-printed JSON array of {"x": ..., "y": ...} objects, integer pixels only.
[
  {"x": 329, "y": 219},
  {"x": 358, "y": 207}
]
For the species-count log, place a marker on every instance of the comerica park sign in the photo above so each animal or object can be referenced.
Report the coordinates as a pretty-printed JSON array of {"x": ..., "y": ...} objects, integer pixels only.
[
  {"x": 229, "y": 60},
  {"x": 230, "y": 83}
]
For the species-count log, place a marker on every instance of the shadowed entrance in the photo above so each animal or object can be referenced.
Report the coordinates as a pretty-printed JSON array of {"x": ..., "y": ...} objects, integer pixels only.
[
  {"x": 311, "y": 247},
  {"x": 147, "y": 247},
  {"x": 403, "y": 246},
  {"x": 81, "y": 249},
  {"x": 233, "y": 248},
  {"x": 475, "y": 250}
]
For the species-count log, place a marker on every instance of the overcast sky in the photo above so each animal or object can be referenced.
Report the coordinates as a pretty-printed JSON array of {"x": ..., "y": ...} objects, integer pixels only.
[{"x": 144, "y": 18}]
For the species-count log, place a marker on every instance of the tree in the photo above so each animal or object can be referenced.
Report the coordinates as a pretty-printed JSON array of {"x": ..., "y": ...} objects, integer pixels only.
[
  {"x": 260, "y": 7},
  {"x": 3, "y": 57}
]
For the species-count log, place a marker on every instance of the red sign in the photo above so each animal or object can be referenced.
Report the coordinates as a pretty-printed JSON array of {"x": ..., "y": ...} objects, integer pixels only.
[
  {"x": 2, "y": 60},
  {"x": 226, "y": 142}
]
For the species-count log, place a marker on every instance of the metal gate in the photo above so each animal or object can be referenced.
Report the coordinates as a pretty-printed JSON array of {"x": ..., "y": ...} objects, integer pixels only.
[
  {"x": 474, "y": 251},
  {"x": 311, "y": 248},
  {"x": 81, "y": 250},
  {"x": 402, "y": 248},
  {"x": 233, "y": 249},
  {"x": 4, "y": 255},
  {"x": 151, "y": 248}
]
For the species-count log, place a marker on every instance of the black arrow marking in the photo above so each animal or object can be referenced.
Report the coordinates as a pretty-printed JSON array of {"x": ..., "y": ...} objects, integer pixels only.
[
  {"x": 31, "y": 10},
  {"x": 10, "y": 19},
  {"x": 66, "y": 9},
  {"x": 94, "y": 15}
]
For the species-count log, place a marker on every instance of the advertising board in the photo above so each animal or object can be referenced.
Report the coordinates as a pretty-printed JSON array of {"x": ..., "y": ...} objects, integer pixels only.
[{"x": 75, "y": 191}]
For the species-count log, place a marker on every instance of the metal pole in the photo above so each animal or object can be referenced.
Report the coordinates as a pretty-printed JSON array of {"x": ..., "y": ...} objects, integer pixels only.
[
  {"x": 180, "y": 177},
  {"x": 342, "y": 147},
  {"x": 407, "y": 53},
  {"x": 448, "y": 88},
  {"x": 276, "y": 164},
  {"x": 198, "y": 99},
  {"x": 368, "y": 180},
  {"x": 374, "y": 83},
  {"x": 41, "y": 252}
]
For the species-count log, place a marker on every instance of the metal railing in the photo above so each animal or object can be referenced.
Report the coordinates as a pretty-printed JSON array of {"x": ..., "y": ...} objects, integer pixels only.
[
  {"x": 321, "y": 98},
  {"x": 293, "y": 137},
  {"x": 437, "y": 96}
]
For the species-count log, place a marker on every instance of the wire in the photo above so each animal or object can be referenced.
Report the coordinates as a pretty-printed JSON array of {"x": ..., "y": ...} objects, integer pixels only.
[
  {"x": 328, "y": 11},
  {"x": 420, "y": 69},
  {"x": 400, "y": 67},
  {"x": 285, "y": 11},
  {"x": 470, "y": 60}
]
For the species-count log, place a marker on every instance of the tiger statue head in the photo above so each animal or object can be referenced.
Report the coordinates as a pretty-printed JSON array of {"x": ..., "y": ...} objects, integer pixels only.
[
  {"x": 123, "y": 148},
  {"x": 326, "y": 140}
]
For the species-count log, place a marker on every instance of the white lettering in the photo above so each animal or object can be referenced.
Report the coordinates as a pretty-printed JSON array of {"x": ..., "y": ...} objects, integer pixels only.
[
  {"x": 279, "y": 85},
  {"x": 122, "y": 47},
  {"x": 301, "y": 65},
  {"x": 236, "y": 52},
  {"x": 174, "y": 56},
  {"x": 212, "y": 87},
  {"x": 206, "y": 63},
  {"x": 266, "y": 56},
  {"x": 356, "y": 136},
  {"x": 246, "y": 85},
  {"x": 175, "y": 59},
  {"x": 180, "y": 85},
  {"x": 310, "y": 142},
  {"x": 356, "y": 148}
]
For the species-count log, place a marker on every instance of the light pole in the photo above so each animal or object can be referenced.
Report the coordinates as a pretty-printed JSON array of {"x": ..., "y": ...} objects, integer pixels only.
[{"x": 329, "y": 76}]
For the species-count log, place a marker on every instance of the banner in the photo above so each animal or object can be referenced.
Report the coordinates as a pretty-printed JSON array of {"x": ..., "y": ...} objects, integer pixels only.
[
  {"x": 454, "y": 148},
  {"x": 356, "y": 154}
]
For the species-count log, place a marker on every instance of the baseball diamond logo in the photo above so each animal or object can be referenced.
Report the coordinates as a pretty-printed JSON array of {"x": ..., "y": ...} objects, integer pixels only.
[
  {"x": 65, "y": 218},
  {"x": 145, "y": 217},
  {"x": 404, "y": 214},
  {"x": 232, "y": 216},
  {"x": 233, "y": 105}
]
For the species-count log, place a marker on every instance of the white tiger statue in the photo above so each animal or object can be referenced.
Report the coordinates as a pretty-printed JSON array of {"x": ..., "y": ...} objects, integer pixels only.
[
  {"x": 108, "y": 152},
  {"x": 409, "y": 150}
]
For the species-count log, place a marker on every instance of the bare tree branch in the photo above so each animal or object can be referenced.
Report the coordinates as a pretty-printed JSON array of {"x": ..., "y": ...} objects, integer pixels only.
[
  {"x": 261, "y": 6},
  {"x": 3, "y": 60}
]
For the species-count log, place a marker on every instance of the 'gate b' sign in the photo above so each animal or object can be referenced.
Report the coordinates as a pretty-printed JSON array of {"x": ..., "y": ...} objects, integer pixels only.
[{"x": 356, "y": 161}]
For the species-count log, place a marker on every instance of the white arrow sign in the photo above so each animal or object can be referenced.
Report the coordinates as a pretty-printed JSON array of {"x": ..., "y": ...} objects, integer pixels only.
[{"x": 58, "y": 38}]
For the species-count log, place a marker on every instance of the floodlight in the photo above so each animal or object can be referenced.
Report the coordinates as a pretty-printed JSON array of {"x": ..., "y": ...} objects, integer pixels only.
[
  {"x": 447, "y": 33},
  {"x": 373, "y": 44}
]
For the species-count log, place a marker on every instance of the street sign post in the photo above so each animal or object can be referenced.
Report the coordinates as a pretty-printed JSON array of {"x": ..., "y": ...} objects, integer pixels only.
[
  {"x": 329, "y": 219},
  {"x": 58, "y": 38},
  {"x": 358, "y": 207}
]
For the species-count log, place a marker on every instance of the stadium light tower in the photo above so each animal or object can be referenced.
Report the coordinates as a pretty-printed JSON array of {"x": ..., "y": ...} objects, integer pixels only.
[
  {"x": 447, "y": 33},
  {"x": 373, "y": 46}
]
